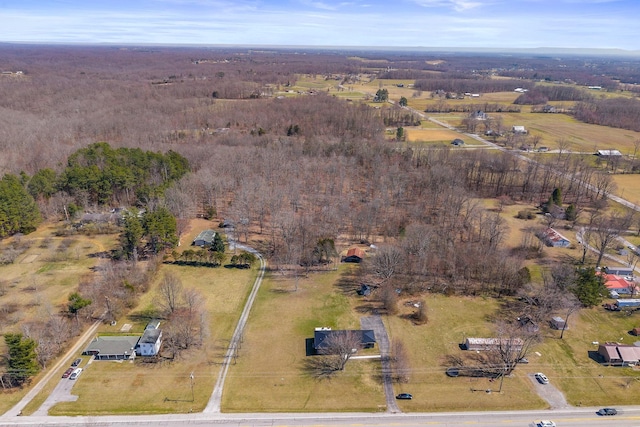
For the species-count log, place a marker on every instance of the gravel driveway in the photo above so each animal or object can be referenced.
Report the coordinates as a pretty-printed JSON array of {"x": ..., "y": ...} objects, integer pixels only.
[
  {"x": 375, "y": 323},
  {"x": 550, "y": 393}
]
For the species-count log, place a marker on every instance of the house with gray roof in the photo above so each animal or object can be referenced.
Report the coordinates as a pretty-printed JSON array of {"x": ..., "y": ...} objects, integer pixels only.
[
  {"x": 120, "y": 347},
  {"x": 205, "y": 238}
]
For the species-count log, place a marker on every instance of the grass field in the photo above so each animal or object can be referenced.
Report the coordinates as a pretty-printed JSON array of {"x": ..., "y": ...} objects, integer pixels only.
[
  {"x": 431, "y": 135},
  {"x": 112, "y": 387},
  {"x": 270, "y": 374},
  {"x": 40, "y": 280},
  {"x": 429, "y": 344}
]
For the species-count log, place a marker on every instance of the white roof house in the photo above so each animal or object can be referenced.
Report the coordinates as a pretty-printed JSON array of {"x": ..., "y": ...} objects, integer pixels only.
[{"x": 608, "y": 153}]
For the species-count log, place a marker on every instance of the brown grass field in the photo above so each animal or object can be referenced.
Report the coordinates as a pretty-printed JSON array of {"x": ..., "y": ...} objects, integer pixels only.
[
  {"x": 431, "y": 135},
  {"x": 111, "y": 387},
  {"x": 270, "y": 374},
  {"x": 40, "y": 281}
]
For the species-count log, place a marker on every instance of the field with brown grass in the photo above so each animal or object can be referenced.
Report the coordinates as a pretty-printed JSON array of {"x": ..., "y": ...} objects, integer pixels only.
[{"x": 271, "y": 374}]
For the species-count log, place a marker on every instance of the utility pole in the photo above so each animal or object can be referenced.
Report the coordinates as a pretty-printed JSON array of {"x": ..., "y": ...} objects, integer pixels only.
[{"x": 193, "y": 398}]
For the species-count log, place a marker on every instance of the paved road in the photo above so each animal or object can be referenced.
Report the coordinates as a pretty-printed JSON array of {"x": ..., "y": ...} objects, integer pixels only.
[
  {"x": 575, "y": 417},
  {"x": 53, "y": 370},
  {"x": 216, "y": 397},
  {"x": 375, "y": 323}
]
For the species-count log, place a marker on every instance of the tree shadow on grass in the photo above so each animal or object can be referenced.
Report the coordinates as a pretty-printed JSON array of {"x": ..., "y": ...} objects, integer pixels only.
[{"x": 319, "y": 367}]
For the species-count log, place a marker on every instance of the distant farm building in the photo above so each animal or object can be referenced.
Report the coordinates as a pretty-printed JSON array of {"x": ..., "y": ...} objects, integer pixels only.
[
  {"x": 619, "y": 271},
  {"x": 619, "y": 354},
  {"x": 487, "y": 344},
  {"x": 552, "y": 238},
  {"x": 608, "y": 153},
  {"x": 354, "y": 255},
  {"x": 205, "y": 238},
  {"x": 619, "y": 284}
]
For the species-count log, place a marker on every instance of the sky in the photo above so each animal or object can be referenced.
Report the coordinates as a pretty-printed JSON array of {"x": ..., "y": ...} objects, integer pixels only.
[{"x": 587, "y": 24}]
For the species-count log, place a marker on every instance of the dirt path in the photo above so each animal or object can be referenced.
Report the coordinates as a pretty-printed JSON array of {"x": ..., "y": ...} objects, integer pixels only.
[{"x": 375, "y": 323}]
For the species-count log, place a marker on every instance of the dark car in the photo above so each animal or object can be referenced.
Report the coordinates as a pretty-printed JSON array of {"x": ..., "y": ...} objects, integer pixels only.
[
  {"x": 76, "y": 362},
  {"x": 607, "y": 411},
  {"x": 67, "y": 373},
  {"x": 404, "y": 396}
]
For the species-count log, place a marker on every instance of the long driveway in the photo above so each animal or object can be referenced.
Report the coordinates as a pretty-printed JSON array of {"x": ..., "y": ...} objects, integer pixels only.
[
  {"x": 375, "y": 323},
  {"x": 216, "y": 397}
]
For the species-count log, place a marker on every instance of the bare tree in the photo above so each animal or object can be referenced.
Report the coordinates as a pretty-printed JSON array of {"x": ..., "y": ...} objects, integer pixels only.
[
  {"x": 169, "y": 293},
  {"x": 385, "y": 262},
  {"x": 606, "y": 229},
  {"x": 570, "y": 304},
  {"x": 340, "y": 346},
  {"x": 400, "y": 362}
]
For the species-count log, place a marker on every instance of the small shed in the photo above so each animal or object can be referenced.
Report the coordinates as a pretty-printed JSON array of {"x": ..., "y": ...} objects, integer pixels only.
[
  {"x": 354, "y": 255},
  {"x": 205, "y": 238},
  {"x": 558, "y": 323}
]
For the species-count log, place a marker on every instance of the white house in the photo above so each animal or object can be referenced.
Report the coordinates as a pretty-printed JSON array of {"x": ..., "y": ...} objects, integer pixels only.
[{"x": 151, "y": 340}]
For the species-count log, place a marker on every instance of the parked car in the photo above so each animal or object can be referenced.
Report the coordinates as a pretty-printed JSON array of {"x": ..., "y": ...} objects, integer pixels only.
[
  {"x": 67, "y": 373},
  {"x": 75, "y": 374},
  {"x": 523, "y": 360},
  {"x": 404, "y": 396},
  {"x": 76, "y": 362},
  {"x": 542, "y": 378},
  {"x": 607, "y": 411},
  {"x": 545, "y": 423}
]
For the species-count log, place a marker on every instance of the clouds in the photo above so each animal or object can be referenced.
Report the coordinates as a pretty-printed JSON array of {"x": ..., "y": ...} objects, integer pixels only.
[{"x": 430, "y": 23}]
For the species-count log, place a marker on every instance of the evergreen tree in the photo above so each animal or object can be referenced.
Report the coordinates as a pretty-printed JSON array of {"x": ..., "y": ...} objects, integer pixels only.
[
  {"x": 77, "y": 303},
  {"x": 556, "y": 196},
  {"x": 589, "y": 287},
  {"x": 160, "y": 228},
  {"x": 43, "y": 184},
  {"x": 22, "y": 359},
  {"x": 132, "y": 235},
  {"x": 218, "y": 244},
  {"x": 403, "y": 102},
  {"x": 571, "y": 214},
  {"x": 18, "y": 211}
]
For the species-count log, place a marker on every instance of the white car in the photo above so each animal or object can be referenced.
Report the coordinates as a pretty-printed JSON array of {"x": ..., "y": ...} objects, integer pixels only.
[
  {"x": 545, "y": 423},
  {"x": 542, "y": 379}
]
